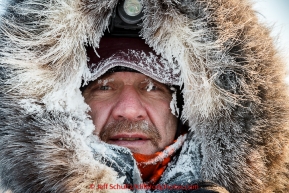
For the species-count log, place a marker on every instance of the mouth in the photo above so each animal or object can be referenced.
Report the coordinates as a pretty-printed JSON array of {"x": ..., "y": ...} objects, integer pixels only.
[
  {"x": 127, "y": 139},
  {"x": 131, "y": 141}
]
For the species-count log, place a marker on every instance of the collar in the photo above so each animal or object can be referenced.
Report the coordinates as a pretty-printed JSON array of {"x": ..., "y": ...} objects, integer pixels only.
[{"x": 152, "y": 166}]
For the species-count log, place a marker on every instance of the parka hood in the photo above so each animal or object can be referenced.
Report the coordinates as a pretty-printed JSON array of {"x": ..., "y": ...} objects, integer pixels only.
[{"x": 235, "y": 98}]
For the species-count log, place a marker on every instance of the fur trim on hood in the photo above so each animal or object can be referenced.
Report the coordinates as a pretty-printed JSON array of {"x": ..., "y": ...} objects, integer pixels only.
[{"x": 235, "y": 97}]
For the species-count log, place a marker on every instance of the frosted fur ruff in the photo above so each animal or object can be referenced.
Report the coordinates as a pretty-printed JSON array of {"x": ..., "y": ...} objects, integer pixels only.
[{"x": 236, "y": 100}]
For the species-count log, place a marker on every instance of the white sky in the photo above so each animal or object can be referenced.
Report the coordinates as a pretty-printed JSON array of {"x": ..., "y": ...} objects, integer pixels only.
[
  {"x": 1, "y": 4},
  {"x": 276, "y": 13}
]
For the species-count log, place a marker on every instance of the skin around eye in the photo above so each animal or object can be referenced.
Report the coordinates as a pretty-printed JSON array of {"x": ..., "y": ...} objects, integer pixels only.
[
  {"x": 148, "y": 85},
  {"x": 98, "y": 91},
  {"x": 152, "y": 88},
  {"x": 152, "y": 85}
]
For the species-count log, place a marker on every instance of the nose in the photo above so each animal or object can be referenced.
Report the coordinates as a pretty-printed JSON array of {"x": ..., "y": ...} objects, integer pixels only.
[{"x": 129, "y": 105}]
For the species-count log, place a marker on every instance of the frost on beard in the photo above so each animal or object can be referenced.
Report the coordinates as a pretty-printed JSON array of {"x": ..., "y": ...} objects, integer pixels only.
[{"x": 173, "y": 104}]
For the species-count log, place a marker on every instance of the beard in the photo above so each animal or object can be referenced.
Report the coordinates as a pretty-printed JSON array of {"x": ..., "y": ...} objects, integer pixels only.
[{"x": 143, "y": 127}]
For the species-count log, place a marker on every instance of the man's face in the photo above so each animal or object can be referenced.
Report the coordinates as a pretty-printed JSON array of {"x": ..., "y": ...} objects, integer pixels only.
[{"x": 132, "y": 110}]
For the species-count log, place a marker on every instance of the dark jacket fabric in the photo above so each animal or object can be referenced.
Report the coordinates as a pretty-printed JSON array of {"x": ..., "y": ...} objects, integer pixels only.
[{"x": 235, "y": 97}]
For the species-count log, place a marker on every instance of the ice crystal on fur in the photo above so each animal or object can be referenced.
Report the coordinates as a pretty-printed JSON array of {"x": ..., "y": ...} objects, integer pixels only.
[
  {"x": 31, "y": 106},
  {"x": 173, "y": 104}
]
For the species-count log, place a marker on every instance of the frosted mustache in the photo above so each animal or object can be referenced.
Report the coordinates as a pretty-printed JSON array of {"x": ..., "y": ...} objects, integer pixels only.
[{"x": 116, "y": 127}]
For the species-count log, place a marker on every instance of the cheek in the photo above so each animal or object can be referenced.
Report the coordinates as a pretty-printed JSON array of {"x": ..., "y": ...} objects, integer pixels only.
[
  {"x": 99, "y": 114},
  {"x": 171, "y": 127},
  {"x": 164, "y": 120}
]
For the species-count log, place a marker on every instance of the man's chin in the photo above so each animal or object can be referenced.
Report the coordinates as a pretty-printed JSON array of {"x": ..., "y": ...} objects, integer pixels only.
[{"x": 144, "y": 147}]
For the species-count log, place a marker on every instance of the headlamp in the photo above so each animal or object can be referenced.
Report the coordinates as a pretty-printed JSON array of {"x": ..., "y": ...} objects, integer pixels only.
[
  {"x": 130, "y": 11},
  {"x": 132, "y": 7},
  {"x": 126, "y": 19}
]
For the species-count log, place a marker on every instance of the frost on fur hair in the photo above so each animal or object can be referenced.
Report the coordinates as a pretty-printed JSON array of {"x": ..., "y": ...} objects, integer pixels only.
[
  {"x": 118, "y": 158},
  {"x": 173, "y": 104},
  {"x": 31, "y": 106}
]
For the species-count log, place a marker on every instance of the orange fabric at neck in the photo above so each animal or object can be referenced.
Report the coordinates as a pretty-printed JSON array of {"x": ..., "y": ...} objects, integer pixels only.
[
  {"x": 153, "y": 166},
  {"x": 151, "y": 173}
]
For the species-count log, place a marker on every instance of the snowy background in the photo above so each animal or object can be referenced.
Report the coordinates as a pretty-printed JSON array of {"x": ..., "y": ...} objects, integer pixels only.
[{"x": 273, "y": 13}]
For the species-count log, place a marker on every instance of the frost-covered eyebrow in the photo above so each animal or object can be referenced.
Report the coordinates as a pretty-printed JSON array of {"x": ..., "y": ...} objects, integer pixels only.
[
  {"x": 104, "y": 81},
  {"x": 154, "y": 82},
  {"x": 84, "y": 88},
  {"x": 101, "y": 78},
  {"x": 105, "y": 78}
]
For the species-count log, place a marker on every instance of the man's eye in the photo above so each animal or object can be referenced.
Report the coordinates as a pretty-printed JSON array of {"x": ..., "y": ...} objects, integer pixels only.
[
  {"x": 104, "y": 88},
  {"x": 151, "y": 87}
]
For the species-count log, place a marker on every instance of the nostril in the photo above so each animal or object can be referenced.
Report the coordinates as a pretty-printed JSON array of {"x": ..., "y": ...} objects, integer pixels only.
[
  {"x": 140, "y": 117},
  {"x": 120, "y": 117}
]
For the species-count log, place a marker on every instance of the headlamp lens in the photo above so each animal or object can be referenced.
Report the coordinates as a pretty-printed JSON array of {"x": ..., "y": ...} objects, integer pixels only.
[{"x": 132, "y": 7}]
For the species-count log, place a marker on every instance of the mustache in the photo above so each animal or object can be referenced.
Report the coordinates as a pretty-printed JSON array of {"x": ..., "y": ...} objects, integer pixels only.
[{"x": 144, "y": 127}]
